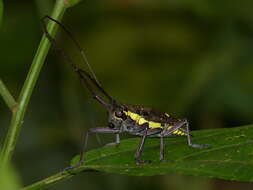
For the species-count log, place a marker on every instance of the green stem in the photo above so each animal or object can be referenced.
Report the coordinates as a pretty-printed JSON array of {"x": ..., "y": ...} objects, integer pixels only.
[
  {"x": 55, "y": 178},
  {"x": 8, "y": 98},
  {"x": 26, "y": 92},
  {"x": 48, "y": 181}
]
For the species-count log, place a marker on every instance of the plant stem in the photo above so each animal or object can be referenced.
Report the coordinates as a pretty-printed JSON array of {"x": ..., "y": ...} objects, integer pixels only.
[
  {"x": 8, "y": 98},
  {"x": 26, "y": 92},
  {"x": 48, "y": 181},
  {"x": 55, "y": 178}
]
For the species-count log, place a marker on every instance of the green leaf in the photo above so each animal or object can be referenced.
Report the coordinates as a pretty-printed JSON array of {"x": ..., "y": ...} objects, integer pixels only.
[
  {"x": 229, "y": 157},
  {"x": 1, "y": 11}
]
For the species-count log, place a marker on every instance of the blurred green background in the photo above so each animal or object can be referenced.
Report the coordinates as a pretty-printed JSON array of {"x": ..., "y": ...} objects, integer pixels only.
[{"x": 190, "y": 58}]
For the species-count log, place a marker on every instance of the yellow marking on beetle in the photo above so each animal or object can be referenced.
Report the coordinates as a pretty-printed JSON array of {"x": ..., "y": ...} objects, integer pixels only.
[
  {"x": 154, "y": 125},
  {"x": 133, "y": 116},
  {"x": 176, "y": 132},
  {"x": 140, "y": 120},
  {"x": 169, "y": 127}
]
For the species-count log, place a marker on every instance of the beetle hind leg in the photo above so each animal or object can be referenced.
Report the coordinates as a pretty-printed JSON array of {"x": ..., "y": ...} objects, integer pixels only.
[{"x": 200, "y": 146}]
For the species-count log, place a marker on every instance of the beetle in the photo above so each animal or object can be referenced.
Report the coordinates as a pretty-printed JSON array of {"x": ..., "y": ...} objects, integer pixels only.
[{"x": 136, "y": 120}]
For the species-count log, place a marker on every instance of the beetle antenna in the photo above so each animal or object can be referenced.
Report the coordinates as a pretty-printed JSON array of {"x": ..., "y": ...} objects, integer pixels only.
[
  {"x": 78, "y": 46},
  {"x": 83, "y": 75}
]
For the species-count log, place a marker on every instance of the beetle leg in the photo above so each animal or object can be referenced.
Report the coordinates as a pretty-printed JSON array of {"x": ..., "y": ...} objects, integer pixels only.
[
  {"x": 140, "y": 149},
  {"x": 168, "y": 132},
  {"x": 181, "y": 125},
  {"x": 144, "y": 134},
  {"x": 117, "y": 141},
  {"x": 190, "y": 140},
  {"x": 162, "y": 148},
  {"x": 117, "y": 138},
  {"x": 85, "y": 142},
  {"x": 104, "y": 130}
]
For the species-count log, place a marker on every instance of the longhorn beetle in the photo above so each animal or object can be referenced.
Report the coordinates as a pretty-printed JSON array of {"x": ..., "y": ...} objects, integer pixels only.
[{"x": 136, "y": 120}]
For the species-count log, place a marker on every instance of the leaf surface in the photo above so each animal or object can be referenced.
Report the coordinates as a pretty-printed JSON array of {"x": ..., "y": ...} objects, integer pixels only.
[{"x": 229, "y": 157}]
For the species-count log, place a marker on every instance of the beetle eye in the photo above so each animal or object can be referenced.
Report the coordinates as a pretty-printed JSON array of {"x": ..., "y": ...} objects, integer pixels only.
[
  {"x": 121, "y": 114},
  {"x": 118, "y": 113}
]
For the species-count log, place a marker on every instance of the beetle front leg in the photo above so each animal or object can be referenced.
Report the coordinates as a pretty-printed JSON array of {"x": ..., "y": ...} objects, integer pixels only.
[
  {"x": 104, "y": 130},
  {"x": 85, "y": 142}
]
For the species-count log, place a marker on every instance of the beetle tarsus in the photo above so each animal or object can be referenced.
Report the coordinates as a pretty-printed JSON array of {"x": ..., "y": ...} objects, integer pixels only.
[
  {"x": 200, "y": 146},
  {"x": 139, "y": 162},
  {"x": 112, "y": 144},
  {"x": 70, "y": 168}
]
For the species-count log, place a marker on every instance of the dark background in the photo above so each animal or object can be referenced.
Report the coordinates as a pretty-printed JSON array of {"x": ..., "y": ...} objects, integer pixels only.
[{"x": 190, "y": 58}]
